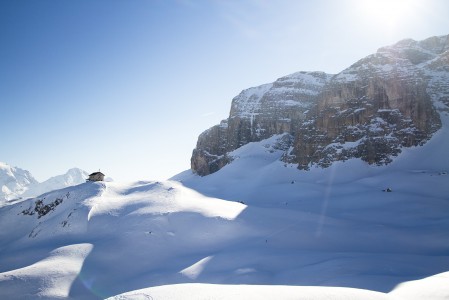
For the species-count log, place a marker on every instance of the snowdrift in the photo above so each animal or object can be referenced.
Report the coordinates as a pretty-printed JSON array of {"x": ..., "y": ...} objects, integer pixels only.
[{"x": 257, "y": 228}]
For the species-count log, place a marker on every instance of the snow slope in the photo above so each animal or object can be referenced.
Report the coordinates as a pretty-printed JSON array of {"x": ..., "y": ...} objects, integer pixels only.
[
  {"x": 297, "y": 234},
  {"x": 257, "y": 228},
  {"x": 134, "y": 234},
  {"x": 434, "y": 287}
]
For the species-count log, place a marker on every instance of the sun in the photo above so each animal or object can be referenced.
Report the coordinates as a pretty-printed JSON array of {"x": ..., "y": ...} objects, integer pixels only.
[{"x": 386, "y": 14}]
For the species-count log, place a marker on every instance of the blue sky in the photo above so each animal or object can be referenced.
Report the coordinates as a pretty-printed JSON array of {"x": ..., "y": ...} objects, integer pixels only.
[{"x": 127, "y": 86}]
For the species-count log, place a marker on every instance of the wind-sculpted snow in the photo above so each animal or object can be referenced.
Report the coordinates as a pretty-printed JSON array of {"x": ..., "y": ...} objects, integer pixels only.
[
  {"x": 49, "y": 278},
  {"x": 430, "y": 288},
  {"x": 146, "y": 229},
  {"x": 257, "y": 227}
]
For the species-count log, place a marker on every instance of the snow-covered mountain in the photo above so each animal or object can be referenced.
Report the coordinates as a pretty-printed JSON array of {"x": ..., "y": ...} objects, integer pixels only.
[
  {"x": 14, "y": 182},
  {"x": 371, "y": 110},
  {"x": 19, "y": 184},
  {"x": 255, "y": 228},
  {"x": 258, "y": 226},
  {"x": 72, "y": 177}
]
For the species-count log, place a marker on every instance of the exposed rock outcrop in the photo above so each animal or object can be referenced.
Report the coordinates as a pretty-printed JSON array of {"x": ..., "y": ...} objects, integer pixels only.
[{"x": 371, "y": 110}]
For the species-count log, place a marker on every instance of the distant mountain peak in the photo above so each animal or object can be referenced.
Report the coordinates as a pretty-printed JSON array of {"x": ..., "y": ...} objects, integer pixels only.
[{"x": 16, "y": 183}]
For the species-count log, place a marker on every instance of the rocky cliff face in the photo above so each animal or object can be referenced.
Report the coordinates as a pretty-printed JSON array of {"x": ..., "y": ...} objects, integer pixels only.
[{"x": 386, "y": 101}]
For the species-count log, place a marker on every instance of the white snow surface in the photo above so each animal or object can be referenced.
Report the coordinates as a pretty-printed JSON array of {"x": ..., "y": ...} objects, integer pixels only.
[
  {"x": 256, "y": 229},
  {"x": 434, "y": 287},
  {"x": 17, "y": 184},
  {"x": 406, "y": 59},
  {"x": 14, "y": 181},
  {"x": 72, "y": 177}
]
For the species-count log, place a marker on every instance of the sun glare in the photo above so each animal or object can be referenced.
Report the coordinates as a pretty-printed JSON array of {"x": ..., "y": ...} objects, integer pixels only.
[{"x": 386, "y": 14}]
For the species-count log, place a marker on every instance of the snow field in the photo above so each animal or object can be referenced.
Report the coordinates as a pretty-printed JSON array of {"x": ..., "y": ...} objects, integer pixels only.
[{"x": 258, "y": 228}]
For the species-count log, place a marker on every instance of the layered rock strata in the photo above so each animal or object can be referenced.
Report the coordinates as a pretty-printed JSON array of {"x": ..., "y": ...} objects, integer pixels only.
[{"x": 386, "y": 101}]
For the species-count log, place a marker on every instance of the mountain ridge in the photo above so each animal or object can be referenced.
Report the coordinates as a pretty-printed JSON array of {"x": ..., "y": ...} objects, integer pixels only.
[
  {"x": 14, "y": 181},
  {"x": 18, "y": 184},
  {"x": 371, "y": 110},
  {"x": 255, "y": 222},
  {"x": 258, "y": 227}
]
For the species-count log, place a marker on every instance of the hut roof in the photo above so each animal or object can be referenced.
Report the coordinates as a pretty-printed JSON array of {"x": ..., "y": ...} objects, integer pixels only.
[{"x": 96, "y": 173}]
